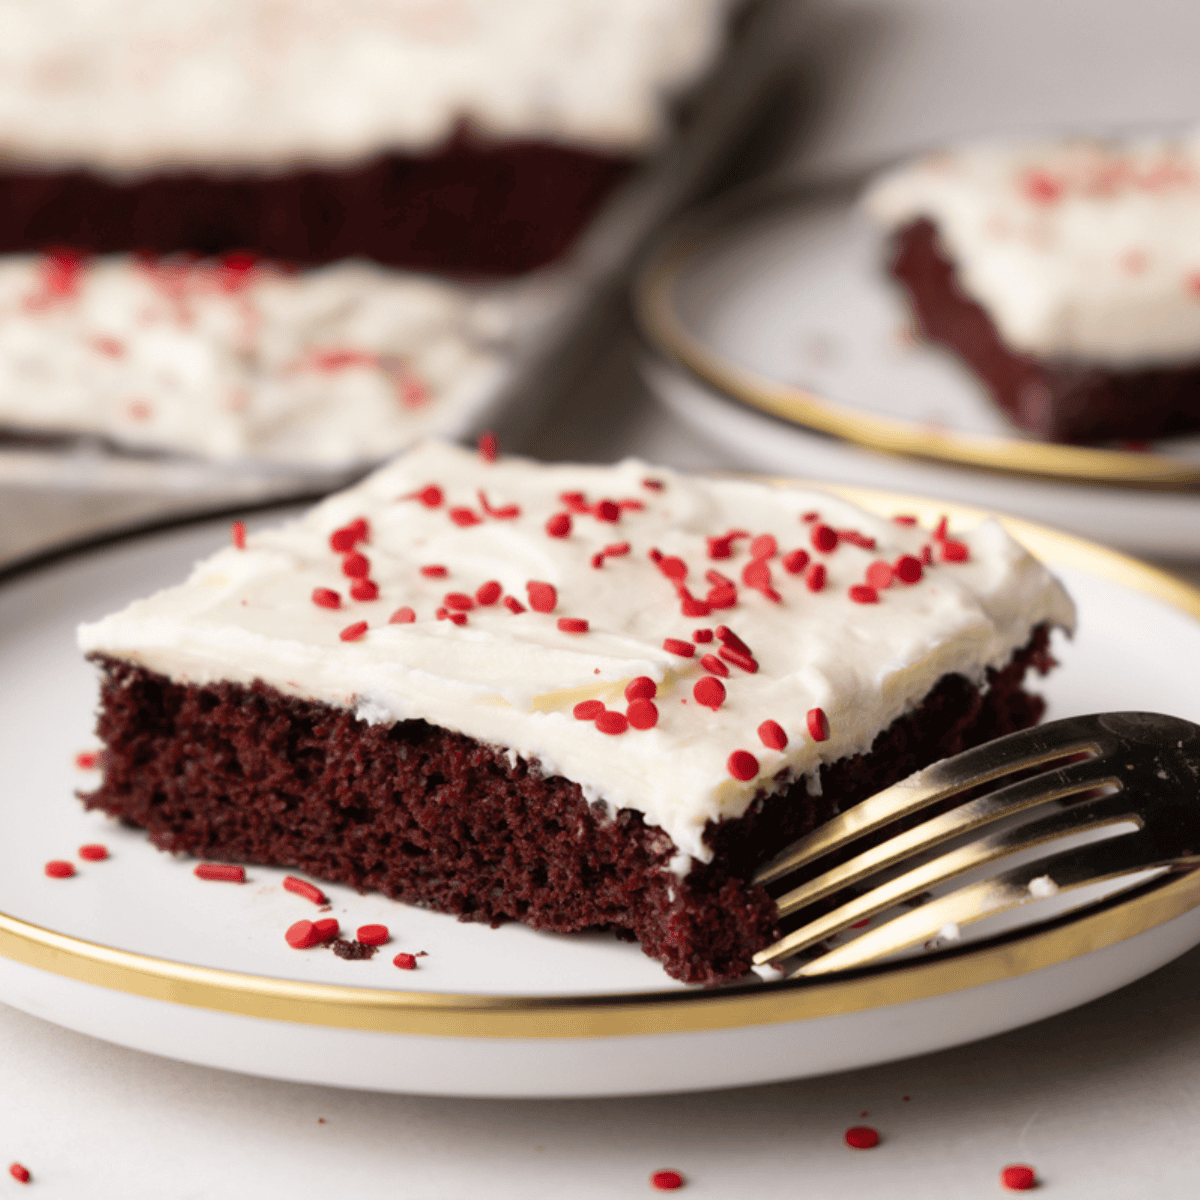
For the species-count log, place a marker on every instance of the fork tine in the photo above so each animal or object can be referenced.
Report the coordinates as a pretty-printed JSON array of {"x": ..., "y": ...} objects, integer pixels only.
[
  {"x": 941, "y": 781},
  {"x": 1105, "y": 810},
  {"x": 1067, "y": 869},
  {"x": 975, "y": 814}
]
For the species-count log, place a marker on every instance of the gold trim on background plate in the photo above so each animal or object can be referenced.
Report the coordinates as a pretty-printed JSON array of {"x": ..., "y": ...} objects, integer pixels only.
[
  {"x": 661, "y": 323},
  {"x": 676, "y": 1011}
]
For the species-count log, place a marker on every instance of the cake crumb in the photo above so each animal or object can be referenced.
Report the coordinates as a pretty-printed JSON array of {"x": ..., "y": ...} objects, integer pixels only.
[{"x": 347, "y": 949}]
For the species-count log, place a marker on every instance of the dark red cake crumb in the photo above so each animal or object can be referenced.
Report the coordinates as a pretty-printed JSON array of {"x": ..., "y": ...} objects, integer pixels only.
[
  {"x": 58, "y": 868},
  {"x": 352, "y": 951},
  {"x": 1018, "y": 1178},
  {"x": 19, "y": 1173},
  {"x": 666, "y": 1181},
  {"x": 861, "y": 1137}
]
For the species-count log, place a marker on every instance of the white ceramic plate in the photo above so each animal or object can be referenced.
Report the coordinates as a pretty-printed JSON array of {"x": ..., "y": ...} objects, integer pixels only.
[
  {"x": 136, "y": 950},
  {"x": 792, "y": 288}
]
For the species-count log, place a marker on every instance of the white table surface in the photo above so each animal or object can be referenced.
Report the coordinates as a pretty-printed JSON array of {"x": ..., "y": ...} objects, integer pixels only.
[{"x": 1103, "y": 1101}]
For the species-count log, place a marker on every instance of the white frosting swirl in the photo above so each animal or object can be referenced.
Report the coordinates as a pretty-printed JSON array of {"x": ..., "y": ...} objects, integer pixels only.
[
  {"x": 328, "y": 367},
  {"x": 1078, "y": 248},
  {"x": 513, "y": 679},
  {"x": 134, "y": 87}
]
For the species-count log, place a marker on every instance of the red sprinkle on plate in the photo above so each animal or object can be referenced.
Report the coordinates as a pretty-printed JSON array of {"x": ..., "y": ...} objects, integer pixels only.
[
  {"x": 58, "y": 868},
  {"x": 406, "y": 962},
  {"x": 222, "y": 872},
  {"x": 666, "y": 1181},
  {"x": 93, "y": 852},
  {"x": 301, "y": 887},
  {"x": 19, "y": 1173},
  {"x": 87, "y": 760},
  {"x": 861, "y": 1137},
  {"x": 1018, "y": 1178},
  {"x": 372, "y": 935}
]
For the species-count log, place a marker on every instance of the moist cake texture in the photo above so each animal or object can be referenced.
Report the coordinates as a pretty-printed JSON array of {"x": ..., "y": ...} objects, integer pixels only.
[
  {"x": 1065, "y": 274},
  {"x": 575, "y": 696}
]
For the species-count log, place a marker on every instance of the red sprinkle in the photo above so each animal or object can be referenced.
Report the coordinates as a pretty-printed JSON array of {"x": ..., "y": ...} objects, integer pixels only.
[
  {"x": 641, "y": 688},
  {"x": 326, "y": 928},
  {"x": 430, "y": 496},
  {"x": 772, "y": 735},
  {"x": 458, "y": 601},
  {"x": 572, "y": 625},
  {"x": 58, "y": 868},
  {"x": 402, "y": 616},
  {"x": 818, "y": 724},
  {"x": 488, "y": 593},
  {"x": 238, "y": 531},
  {"x": 673, "y": 568},
  {"x": 21, "y": 1174},
  {"x": 941, "y": 531},
  {"x": 814, "y": 577},
  {"x": 861, "y": 1137},
  {"x": 87, "y": 760},
  {"x": 630, "y": 505},
  {"x": 1041, "y": 188},
  {"x": 406, "y": 962},
  {"x": 575, "y": 501},
  {"x": 824, "y": 538},
  {"x": 714, "y": 666},
  {"x": 904, "y": 519},
  {"x": 764, "y": 546},
  {"x": 588, "y": 710},
  {"x": 364, "y": 589},
  {"x": 1018, "y": 1178},
  {"x": 857, "y": 539},
  {"x": 559, "y": 525},
  {"x": 505, "y": 512},
  {"x": 607, "y": 510},
  {"x": 743, "y": 765},
  {"x": 356, "y": 566},
  {"x": 457, "y": 618},
  {"x": 612, "y": 722},
  {"x": 488, "y": 447},
  {"x": 720, "y": 547},
  {"x": 861, "y": 594},
  {"x": 617, "y": 550},
  {"x": 757, "y": 574},
  {"x": 654, "y": 485},
  {"x": 372, "y": 935},
  {"x": 464, "y": 516},
  {"x": 955, "y": 551},
  {"x": 721, "y": 595},
  {"x": 926, "y": 555},
  {"x": 352, "y": 633},
  {"x": 434, "y": 571},
  {"x": 93, "y": 852},
  {"x": 642, "y": 713},
  {"x": 809, "y": 517},
  {"x": 739, "y": 658},
  {"x": 795, "y": 561},
  {"x": 880, "y": 575},
  {"x": 220, "y": 872},
  {"x": 513, "y": 604},
  {"x": 302, "y": 887},
  {"x": 302, "y": 935},
  {"x": 675, "y": 646},
  {"x": 908, "y": 569},
  {"x": 542, "y": 596},
  {"x": 691, "y": 606},
  {"x": 710, "y": 692},
  {"x": 326, "y": 598},
  {"x": 666, "y": 1181},
  {"x": 598, "y": 560},
  {"x": 704, "y": 636},
  {"x": 731, "y": 639}
]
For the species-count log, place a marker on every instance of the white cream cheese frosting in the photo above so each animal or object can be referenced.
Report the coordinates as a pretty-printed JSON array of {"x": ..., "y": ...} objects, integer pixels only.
[
  {"x": 458, "y": 637},
  {"x": 130, "y": 86},
  {"x": 1079, "y": 248},
  {"x": 236, "y": 359}
]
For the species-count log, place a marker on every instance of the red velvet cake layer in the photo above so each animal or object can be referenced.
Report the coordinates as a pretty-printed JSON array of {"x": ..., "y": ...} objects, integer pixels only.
[
  {"x": 468, "y": 207},
  {"x": 1062, "y": 400},
  {"x": 430, "y": 817}
]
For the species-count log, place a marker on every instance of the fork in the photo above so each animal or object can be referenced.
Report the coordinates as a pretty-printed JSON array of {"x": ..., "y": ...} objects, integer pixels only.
[{"x": 1131, "y": 778}]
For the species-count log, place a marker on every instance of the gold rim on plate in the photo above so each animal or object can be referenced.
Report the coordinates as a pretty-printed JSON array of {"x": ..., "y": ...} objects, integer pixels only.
[
  {"x": 507, "y": 1016},
  {"x": 661, "y": 323}
]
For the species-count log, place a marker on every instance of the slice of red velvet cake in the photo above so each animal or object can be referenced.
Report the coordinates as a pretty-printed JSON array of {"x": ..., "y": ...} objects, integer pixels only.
[
  {"x": 579, "y": 697},
  {"x": 1065, "y": 275}
]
